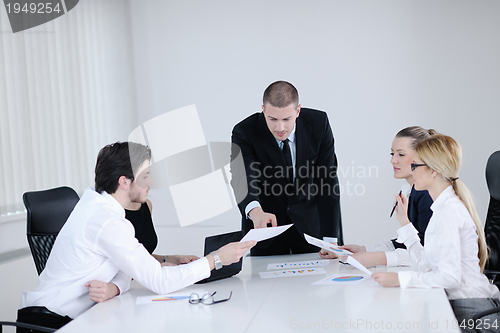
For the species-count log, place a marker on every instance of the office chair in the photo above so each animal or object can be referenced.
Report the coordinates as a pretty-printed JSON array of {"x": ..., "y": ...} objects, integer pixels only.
[
  {"x": 47, "y": 212},
  {"x": 28, "y": 326},
  {"x": 492, "y": 228},
  {"x": 492, "y": 225}
]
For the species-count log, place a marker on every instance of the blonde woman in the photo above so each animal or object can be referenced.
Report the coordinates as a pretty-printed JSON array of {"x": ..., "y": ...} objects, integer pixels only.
[
  {"x": 455, "y": 252},
  {"x": 389, "y": 252}
]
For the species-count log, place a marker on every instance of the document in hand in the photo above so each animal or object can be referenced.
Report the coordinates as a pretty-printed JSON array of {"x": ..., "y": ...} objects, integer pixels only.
[
  {"x": 264, "y": 233},
  {"x": 325, "y": 245}
]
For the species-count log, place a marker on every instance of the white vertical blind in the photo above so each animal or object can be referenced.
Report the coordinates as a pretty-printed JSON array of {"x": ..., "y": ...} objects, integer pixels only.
[{"x": 66, "y": 90}]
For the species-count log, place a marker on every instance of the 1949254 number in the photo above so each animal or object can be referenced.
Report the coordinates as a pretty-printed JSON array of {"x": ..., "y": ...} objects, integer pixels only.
[
  {"x": 479, "y": 324},
  {"x": 38, "y": 8}
]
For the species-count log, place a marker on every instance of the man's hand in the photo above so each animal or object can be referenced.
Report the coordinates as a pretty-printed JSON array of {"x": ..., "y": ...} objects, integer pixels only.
[
  {"x": 232, "y": 252},
  {"x": 386, "y": 279},
  {"x": 353, "y": 248},
  {"x": 260, "y": 218},
  {"x": 101, "y": 291}
]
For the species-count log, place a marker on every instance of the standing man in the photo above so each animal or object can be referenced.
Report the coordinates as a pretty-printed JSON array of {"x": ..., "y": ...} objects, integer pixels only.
[
  {"x": 289, "y": 173},
  {"x": 96, "y": 254}
]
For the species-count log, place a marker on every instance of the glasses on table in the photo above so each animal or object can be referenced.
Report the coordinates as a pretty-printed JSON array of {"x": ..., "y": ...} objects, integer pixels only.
[
  {"x": 207, "y": 299},
  {"x": 414, "y": 166}
]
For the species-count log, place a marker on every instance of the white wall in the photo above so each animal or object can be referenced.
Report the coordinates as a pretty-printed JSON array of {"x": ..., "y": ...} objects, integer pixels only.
[{"x": 374, "y": 66}]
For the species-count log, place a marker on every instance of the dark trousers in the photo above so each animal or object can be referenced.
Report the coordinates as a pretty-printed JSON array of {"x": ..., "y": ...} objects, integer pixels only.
[
  {"x": 289, "y": 242},
  {"x": 41, "y": 316},
  {"x": 466, "y": 308}
]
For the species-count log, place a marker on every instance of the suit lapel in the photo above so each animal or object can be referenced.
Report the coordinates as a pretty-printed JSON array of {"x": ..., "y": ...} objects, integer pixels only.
[{"x": 302, "y": 142}]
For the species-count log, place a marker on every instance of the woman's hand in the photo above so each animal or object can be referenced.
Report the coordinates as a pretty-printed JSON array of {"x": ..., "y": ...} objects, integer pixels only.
[
  {"x": 177, "y": 259},
  {"x": 402, "y": 210},
  {"x": 370, "y": 259},
  {"x": 386, "y": 279},
  {"x": 353, "y": 248},
  {"x": 327, "y": 254}
]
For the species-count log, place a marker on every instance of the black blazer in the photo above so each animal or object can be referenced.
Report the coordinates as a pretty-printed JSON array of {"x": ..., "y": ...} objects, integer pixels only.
[
  {"x": 313, "y": 202},
  {"x": 419, "y": 214}
]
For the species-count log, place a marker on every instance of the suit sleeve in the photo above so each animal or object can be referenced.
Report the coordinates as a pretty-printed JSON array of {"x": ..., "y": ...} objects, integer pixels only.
[
  {"x": 245, "y": 170},
  {"x": 329, "y": 192}
]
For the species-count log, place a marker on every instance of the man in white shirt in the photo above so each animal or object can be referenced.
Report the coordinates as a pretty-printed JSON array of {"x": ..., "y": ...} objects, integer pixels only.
[{"x": 96, "y": 253}]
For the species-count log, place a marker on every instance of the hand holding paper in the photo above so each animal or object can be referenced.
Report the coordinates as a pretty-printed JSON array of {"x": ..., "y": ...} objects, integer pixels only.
[
  {"x": 264, "y": 233},
  {"x": 325, "y": 245}
]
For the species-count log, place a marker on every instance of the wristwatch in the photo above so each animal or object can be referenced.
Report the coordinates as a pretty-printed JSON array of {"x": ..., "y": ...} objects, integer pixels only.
[{"x": 217, "y": 262}]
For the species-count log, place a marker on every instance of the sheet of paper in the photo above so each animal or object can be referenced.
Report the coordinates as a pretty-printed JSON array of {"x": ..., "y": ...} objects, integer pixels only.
[
  {"x": 179, "y": 296},
  {"x": 357, "y": 264},
  {"x": 264, "y": 233},
  {"x": 342, "y": 279},
  {"x": 299, "y": 264},
  {"x": 292, "y": 272},
  {"x": 325, "y": 245}
]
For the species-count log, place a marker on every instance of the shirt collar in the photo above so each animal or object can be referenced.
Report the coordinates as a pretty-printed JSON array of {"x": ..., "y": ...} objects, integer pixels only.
[
  {"x": 108, "y": 199},
  {"x": 443, "y": 197}
]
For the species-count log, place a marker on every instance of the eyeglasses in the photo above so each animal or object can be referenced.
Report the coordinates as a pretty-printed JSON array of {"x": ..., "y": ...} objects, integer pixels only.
[
  {"x": 207, "y": 299},
  {"x": 414, "y": 166}
]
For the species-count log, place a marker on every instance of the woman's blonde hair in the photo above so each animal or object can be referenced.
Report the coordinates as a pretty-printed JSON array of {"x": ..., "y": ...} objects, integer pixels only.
[{"x": 443, "y": 154}]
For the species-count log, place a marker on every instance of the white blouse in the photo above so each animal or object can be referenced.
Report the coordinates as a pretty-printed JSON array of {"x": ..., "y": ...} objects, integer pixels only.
[
  {"x": 449, "y": 258},
  {"x": 98, "y": 243}
]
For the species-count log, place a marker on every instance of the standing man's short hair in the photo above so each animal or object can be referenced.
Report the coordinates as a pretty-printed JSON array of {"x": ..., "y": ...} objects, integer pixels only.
[
  {"x": 281, "y": 94},
  {"x": 116, "y": 160}
]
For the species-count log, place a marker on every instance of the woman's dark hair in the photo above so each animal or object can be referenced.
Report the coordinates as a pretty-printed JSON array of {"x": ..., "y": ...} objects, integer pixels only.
[{"x": 116, "y": 160}]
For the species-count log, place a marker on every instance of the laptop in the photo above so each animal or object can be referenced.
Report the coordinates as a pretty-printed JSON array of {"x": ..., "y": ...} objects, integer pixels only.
[{"x": 213, "y": 243}]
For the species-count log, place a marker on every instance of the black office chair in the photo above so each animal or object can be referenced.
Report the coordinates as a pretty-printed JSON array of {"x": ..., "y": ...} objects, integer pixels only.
[
  {"x": 47, "y": 212},
  {"x": 492, "y": 225},
  {"x": 28, "y": 326},
  {"x": 492, "y": 228}
]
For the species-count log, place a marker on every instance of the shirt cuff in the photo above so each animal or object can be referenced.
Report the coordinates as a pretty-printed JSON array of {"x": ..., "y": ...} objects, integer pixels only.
[
  {"x": 251, "y": 206},
  {"x": 404, "y": 279},
  {"x": 200, "y": 268},
  {"x": 407, "y": 235},
  {"x": 122, "y": 281},
  {"x": 392, "y": 258}
]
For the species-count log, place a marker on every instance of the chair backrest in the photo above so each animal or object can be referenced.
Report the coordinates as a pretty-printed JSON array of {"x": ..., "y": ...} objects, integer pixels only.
[
  {"x": 47, "y": 211},
  {"x": 493, "y": 174},
  {"x": 492, "y": 225}
]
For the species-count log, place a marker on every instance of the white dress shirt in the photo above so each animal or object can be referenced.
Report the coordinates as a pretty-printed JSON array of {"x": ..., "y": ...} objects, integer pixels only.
[
  {"x": 293, "y": 152},
  {"x": 395, "y": 257},
  {"x": 98, "y": 243},
  {"x": 449, "y": 258}
]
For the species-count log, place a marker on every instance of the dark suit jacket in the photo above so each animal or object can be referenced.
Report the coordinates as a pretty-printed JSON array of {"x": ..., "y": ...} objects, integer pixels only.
[
  {"x": 419, "y": 214},
  {"x": 313, "y": 202}
]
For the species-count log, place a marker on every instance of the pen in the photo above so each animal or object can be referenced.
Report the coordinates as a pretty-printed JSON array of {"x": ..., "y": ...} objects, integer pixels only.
[{"x": 393, "y": 208}]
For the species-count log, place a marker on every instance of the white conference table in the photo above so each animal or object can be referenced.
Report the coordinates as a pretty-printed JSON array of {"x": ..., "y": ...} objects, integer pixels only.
[{"x": 286, "y": 304}]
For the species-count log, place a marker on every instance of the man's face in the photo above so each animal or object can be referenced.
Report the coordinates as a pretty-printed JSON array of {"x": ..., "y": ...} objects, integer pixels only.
[
  {"x": 139, "y": 188},
  {"x": 280, "y": 121}
]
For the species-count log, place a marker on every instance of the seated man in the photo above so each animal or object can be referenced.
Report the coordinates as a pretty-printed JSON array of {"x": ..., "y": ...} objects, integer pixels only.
[{"x": 96, "y": 253}]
